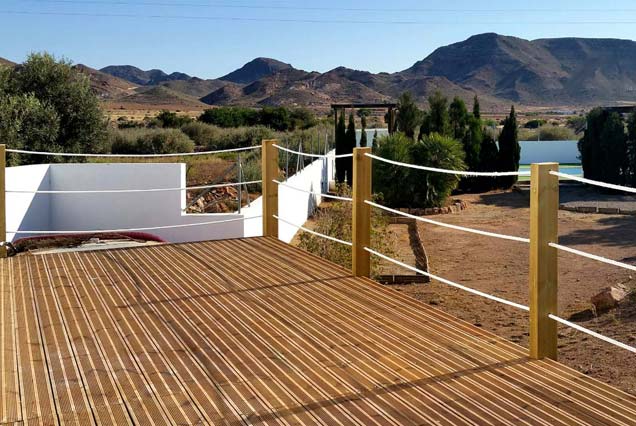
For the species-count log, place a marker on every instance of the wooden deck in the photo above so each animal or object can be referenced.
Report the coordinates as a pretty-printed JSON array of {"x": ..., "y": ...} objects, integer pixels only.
[{"x": 254, "y": 331}]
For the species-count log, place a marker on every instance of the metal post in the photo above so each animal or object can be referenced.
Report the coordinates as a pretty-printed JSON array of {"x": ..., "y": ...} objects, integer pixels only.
[
  {"x": 3, "y": 201},
  {"x": 544, "y": 210},
  {"x": 240, "y": 179}
]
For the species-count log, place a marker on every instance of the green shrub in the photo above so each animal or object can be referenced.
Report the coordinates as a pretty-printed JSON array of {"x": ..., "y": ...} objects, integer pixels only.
[
  {"x": 171, "y": 120},
  {"x": 150, "y": 141},
  {"x": 405, "y": 187},
  {"x": 276, "y": 118},
  {"x": 534, "y": 124}
]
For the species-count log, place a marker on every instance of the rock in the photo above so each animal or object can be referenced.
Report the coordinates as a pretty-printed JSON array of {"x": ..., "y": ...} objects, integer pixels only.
[{"x": 609, "y": 297}]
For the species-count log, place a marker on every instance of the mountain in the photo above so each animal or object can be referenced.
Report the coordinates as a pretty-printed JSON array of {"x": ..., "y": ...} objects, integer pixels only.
[
  {"x": 141, "y": 77},
  {"x": 545, "y": 71},
  {"x": 255, "y": 70},
  {"x": 160, "y": 97},
  {"x": 195, "y": 87},
  {"x": 105, "y": 85},
  {"x": 6, "y": 62}
]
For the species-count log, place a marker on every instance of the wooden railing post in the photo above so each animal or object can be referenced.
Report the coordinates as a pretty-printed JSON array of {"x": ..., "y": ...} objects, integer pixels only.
[
  {"x": 361, "y": 231},
  {"x": 544, "y": 210},
  {"x": 3, "y": 201},
  {"x": 269, "y": 163}
]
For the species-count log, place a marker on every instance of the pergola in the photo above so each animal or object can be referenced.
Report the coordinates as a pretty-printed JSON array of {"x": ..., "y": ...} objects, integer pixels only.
[{"x": 390, "y": 107}]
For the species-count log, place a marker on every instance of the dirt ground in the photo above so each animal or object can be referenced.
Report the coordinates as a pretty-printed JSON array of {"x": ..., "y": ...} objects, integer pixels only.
[{"x": 500, "y": 267}]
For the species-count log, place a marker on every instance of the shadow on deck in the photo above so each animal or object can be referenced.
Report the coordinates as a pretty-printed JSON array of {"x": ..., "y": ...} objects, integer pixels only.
[{"x": 253, "y": 331}]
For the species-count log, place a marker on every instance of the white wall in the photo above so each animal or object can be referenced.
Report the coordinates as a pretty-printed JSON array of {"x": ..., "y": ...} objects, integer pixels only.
[
  {"x": 85, "y": 212},
  {"x": 564, "y": 152},
  {"x": 27, "y": 211},
  {"x": 294, "y": 206}
]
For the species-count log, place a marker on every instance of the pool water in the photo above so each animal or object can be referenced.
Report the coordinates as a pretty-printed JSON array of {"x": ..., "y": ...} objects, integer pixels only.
[{"x": 570, "y": 169}]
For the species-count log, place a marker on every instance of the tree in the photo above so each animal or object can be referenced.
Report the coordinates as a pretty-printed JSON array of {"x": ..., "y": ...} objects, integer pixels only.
[
  {"x": 458, "y": 118},
  {"x": 55, "y": 103},
  {"x": 375, "y": 139},
  {"x": 488, "y": 162},
  {"x": 509, "y": 149},
  {"x": 171, "y": 120},
  {"x": 341, "y": 148},
  {"x": 350, "y": 138},
  {"x": 409, "y": 115},
  {"x": 363, "y": 114},
  {"x": 631, "y": 147},
  {"x": 403, "y": 187},
  {"x": 437, "y": 120},
  {"x": 476, "y": 108},
  {"x": 613, "y": 144}
]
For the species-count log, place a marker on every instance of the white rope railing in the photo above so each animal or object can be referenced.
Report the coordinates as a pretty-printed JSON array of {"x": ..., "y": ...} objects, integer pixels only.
[
  {"x": 447, "y": 225},
  {"x": 181, "y": 154},
  {"x": 119, "y": 191},
  {"x": 335, "y": 197},
  {"x": 318, "y": 234},
  {"x": 304, "y": 154},
  {"x": 594, "y": 182},
  {"x": 593, "y": 256},
  {"x": 592, "y": 333},
  {"x": 150, "y": 228},
  {"x": 448, "y": 282},
  {"x": 447, "y": 171}
]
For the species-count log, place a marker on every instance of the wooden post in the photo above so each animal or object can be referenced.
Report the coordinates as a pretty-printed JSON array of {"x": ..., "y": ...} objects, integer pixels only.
[
  {"x": 544, "y": 209},
  {"x": 3, "y": 201},
  {"x": 361, "y": 231},
  {"x": 269, "y": 162}
]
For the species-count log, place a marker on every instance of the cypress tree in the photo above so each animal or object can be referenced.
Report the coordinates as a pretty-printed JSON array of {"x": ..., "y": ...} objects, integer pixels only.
[
  {"x": 631, "y": 148},
  {"x": 438, "y": 121},
  {"x": 409, "y": 115},
  {"x": 363, "y": 123},
  {"x": 341, "y": 148},
  {"x": 350, "y": 138},
  {"x": 509, "y": 149},
  {"x": 458, "y": 118},
  {"x": 476, "y": 108},
  {"x": 375, "y": 139}
]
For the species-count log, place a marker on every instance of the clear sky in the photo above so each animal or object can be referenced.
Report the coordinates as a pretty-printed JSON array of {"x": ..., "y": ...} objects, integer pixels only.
[{"x": 209, "y": 38}]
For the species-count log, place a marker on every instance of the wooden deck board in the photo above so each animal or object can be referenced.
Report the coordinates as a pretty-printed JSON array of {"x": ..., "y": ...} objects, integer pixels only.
[{"x": 254, "y": 331}]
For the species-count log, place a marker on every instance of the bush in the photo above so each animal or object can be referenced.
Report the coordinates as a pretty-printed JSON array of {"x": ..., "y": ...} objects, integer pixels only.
[
  {"x": 150, "y": 141},
  {"x": 534, "y": 124},
  {"x": 227, "y": 117},
  {"x": 404, "y": 187},
  {"x": 276, "y": 118},
  {"x": 171, "y": 120}
]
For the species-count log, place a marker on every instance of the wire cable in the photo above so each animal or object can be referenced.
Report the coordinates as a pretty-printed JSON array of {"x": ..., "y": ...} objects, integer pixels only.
[
  {"x": 291, "y": 151},
  {"x": 181, "y": 154},
  {"x": 592, "y": 333},
  {"x": 594, "y": 182},
  {"x": 447, "y": 225},
  {"x": 151, "y": 228},
  {"x": 593, "y": 256},
  {"x": 335, "y": 197},
  {"x": 119, "y": 191},
  {"x": 447, "y": 171},
  {"x": 318, "y": 234},
  {"x": 450, "y": 283}
]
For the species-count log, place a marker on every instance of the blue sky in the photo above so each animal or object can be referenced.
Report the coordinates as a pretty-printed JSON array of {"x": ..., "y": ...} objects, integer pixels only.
[{"x": 203, "y": 37}]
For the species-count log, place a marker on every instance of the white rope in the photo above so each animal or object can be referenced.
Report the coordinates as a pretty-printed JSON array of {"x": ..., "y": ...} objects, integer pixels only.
[
  {"x": 335, "y": 197},
  {"x": 318, "y": 234},
  {"x": 450, "y": 283},
  {"x": 118, "y": 191},
  {"x": 182, "y": 154},
  {"x": 594, "y": 182},
  {"x": 593, "y": 256},
  {"x": 447, "y": 171},
  {"x": 592, "y": 333},
  {"x": 133, "y": 229},
  {"x": 447, "y": 225},
  {"x": 312, "y": 155}
]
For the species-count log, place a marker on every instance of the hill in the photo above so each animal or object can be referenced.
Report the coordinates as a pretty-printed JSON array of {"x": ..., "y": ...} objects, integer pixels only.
[
  {"x": 105, "y": 85},
  {"x": 255, "y": 70},
  {"x": 160, "y": 97},
  {"x": 6, "y": 62},
  {"x": 141, "y": 77}
]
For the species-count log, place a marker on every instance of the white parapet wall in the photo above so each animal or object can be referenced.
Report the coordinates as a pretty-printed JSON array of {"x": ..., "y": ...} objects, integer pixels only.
[
  {"x": 294, "y": 206},
  {"x": 105, "y": 211}
]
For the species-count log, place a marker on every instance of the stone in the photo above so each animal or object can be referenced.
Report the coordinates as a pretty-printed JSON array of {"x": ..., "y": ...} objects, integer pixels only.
[{"x": 610, "y": 297}]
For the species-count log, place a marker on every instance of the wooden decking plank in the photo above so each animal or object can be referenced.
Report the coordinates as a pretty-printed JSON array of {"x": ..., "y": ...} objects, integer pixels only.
[
  {"x": 236, "y": 330},
  {"x": 427, "y": 308},
  {"x": 10, "y": 408},
  {"x": 256, "y": 331}
]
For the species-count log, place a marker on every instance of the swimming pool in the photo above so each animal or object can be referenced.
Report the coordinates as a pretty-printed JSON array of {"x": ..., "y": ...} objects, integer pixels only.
[{"x": 570, "y": 169}]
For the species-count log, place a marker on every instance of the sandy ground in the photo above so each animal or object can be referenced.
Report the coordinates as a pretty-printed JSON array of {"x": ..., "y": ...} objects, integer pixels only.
[{"x": 501, "y": 267}]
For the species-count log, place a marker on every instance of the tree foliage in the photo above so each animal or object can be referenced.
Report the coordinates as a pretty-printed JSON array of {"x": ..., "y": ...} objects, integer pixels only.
[
  {"x": 277, "y": 118},
  {"x": 404, "y": 187},
  {"x": 341, "y": 148},
  {"x": 150, "y": 141},
  {"x": 49, "y": 106},
  {"x": 509, "y": 149},
  {"x": 409, "y": 116}
]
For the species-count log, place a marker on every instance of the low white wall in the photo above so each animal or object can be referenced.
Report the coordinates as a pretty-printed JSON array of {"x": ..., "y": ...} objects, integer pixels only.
[
  {"x": 103, "y": 211},
  {"x": 294, "y": 206},
  {"x": 27, "y": 211}
]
